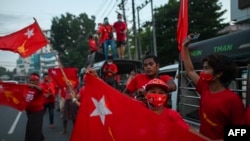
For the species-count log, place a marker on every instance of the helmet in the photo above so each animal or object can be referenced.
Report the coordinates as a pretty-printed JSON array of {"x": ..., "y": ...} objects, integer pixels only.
[{"x": 156, "y": 82}]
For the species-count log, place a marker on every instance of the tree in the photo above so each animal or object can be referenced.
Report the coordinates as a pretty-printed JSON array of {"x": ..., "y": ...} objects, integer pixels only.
[
  {"x": 166, "y": 18},
  {"x": 69, "y": 36}
]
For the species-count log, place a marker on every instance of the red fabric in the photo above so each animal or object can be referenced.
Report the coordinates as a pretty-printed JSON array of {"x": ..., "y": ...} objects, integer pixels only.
[
  {"x": 25, "y": 41},
  {"x": 13, "y": 95},
  {"x": 57, "y": 76},
  {"x": 92, "y": 45},
  {"x": 246, "y": 118},
  {"x": 35, "y": 100},
  {"x": 175, "y": 117},
  {"x": 217, "y": 110},
  {"x": 121, "y": 119},
  {"x": 140, "y": 81},
  {"x": 48, "y": 87},
  {"x": 119, "y": 27},
  {"x": 182, "y": 27}
]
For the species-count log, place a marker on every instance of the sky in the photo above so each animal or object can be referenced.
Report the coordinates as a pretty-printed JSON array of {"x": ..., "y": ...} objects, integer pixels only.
[{"x": 17, "y": 14}]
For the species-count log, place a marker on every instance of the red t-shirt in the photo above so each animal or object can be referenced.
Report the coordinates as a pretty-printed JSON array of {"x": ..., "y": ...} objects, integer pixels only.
[
  {"x": 34, "y": 100},
  {"x": 48, "y": 87},
  {"x": 175, "y": 117},
  {"x": 140, "y": 80},
  {"x": 92, "y": 45},
  {"x": 246, "y": 118},
  {"x": 112, "y": 67},
  {"x": 104, "y": 30},
  {"x": 217, "y": 110},
  {"x": 119, "y": 27}
]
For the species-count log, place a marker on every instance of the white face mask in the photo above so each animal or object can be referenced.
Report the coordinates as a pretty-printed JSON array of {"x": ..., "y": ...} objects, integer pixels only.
[
  {"x": 110, "y": 63},
  {"x": 119, "y": 19}
]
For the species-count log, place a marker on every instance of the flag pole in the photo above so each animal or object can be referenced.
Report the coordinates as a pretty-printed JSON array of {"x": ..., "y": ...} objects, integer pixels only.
[{"x": 63, "y": 73}]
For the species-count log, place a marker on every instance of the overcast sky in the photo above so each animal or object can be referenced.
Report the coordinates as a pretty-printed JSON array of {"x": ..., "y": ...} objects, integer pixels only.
[{"x": 17, "y": 14}]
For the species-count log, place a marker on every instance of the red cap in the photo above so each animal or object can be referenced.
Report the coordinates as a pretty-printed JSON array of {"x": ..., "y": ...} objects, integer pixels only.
[{"x": 156, "y": 82}]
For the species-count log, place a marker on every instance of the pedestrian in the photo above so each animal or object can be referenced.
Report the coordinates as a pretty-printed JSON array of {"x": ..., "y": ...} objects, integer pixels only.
[
  {"x": 34, "y": 110},
  {"x": 219, "y": 106},
  {"x": 120, "y": 28},
  {"x": 136, "y": 86},
  {"x": 106, "y": 35},
  {"x": 48, "y": 88}
]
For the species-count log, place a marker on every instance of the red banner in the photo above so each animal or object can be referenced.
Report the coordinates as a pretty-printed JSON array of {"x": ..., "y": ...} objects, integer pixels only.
[
  {"x": 57, "y": 75},
  {"x": 25, "y": 42},
  {"x": 13, "y": 95},
  {"x": 106, "y": 114},
  {"x": 182, "y": 27}
]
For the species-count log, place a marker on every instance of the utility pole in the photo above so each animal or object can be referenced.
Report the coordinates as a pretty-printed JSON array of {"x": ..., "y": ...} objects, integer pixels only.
[
  {"x": 135, "y": 32},
  {"x": 127, "y": 33},
  {"x": 154, "y": 35},
  {"x": 139, "y": 32}
]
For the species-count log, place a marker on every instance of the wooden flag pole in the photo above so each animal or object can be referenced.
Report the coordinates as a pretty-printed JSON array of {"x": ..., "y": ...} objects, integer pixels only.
[{"x": 61, "y": 68}]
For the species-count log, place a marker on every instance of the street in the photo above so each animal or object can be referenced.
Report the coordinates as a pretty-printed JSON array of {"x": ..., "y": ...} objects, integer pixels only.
[{"x": 13, "y": 125}]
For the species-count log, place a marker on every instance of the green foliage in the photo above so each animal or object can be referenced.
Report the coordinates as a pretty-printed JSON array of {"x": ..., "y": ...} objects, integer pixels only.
[
  {"x": 166, "y": 18},
  {"x": 69, "y": 35}
]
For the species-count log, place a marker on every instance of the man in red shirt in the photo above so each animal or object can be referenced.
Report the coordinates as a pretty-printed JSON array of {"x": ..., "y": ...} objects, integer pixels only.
[
  {"x": 106, "y": 35},
  {"x": 49, "y": 97},
  {"x": 136, "y": 87},
  {"x": 34, "y": 110},
  {"x": 120, "y": 28},
  {"x": 110, "y": 70},
  {"x": 92, "y": 50}
]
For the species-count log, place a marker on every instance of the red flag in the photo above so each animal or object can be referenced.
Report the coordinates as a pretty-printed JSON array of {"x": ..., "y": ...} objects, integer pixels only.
[
  {"x": 25, "y": 41},
  {"x": 58, "y": 77},
  {"x": 106, "y": 114},
  {"x": 13, "y": 95},
  {"x": 182, "y": 27}
]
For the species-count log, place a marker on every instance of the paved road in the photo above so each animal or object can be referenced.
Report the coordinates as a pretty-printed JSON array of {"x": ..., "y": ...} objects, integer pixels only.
[{"x": 13, "y": 124}]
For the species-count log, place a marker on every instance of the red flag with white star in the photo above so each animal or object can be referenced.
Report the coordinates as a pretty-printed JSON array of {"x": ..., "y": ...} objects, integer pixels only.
[
  {"x": 25, "y": 42},
  {"x": 13, "y": 95},
  {"x": 105, "y": 114},
  {"x": 57, "y": 76}
]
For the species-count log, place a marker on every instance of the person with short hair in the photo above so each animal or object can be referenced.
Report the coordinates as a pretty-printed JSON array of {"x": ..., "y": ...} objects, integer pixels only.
[
  {"x": 106, "y": 35},
  {"x": 110, "y": 71},
  {"x": 151, "y": 67},
  {"x": 120, "y": 28}
]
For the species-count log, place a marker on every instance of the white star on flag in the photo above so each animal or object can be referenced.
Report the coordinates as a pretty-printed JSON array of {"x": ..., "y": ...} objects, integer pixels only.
[
  {"x": 29, "y": 33},
  {"x": 101, "y": 109}
]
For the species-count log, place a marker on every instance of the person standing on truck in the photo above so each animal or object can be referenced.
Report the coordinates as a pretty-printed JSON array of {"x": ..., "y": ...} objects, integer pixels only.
[
  {"x": 120, "y": 28},
  {"x": 136, "y": 87},
  {"x": 219, "y": 106}
]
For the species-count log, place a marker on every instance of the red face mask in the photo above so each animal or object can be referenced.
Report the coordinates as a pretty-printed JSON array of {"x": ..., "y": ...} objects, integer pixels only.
[
  {"x": 206, "y": 77},
  {"x": 156, "y": 100}
]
